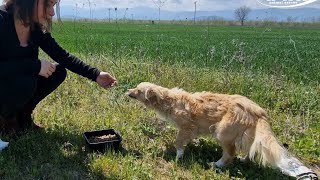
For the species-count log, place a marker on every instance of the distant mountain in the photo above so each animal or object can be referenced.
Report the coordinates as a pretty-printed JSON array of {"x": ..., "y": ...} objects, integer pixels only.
[{"x": 146, "y": 13}]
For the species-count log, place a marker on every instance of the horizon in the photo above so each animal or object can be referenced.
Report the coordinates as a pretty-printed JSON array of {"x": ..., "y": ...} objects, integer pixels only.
[
  {"x": 144, "y": 12},
  {"x": 173, "y": 5}
]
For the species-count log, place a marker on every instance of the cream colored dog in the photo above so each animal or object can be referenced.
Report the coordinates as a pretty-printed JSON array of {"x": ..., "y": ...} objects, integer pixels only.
[
  {"x": 234, "y": 120},
  {"x": 238, "y": 123}
]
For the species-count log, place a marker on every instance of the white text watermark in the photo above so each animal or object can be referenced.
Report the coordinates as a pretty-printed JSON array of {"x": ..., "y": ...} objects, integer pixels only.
[{"x": 285, "y": 3}]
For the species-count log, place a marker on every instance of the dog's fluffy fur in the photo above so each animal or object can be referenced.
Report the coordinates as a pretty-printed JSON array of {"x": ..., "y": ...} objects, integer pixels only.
[{"x": 236, "y": 122}]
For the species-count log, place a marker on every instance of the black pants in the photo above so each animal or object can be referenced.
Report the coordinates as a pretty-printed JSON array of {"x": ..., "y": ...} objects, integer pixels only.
[{"x": 21, "y": 94}]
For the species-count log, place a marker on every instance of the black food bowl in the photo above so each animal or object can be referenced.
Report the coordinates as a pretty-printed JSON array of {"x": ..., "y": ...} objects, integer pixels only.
[{"x": 108, "y": 139}]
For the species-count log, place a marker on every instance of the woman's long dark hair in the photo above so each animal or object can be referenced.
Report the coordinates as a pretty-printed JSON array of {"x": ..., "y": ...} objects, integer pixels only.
[{"x": 24, "y": 9}]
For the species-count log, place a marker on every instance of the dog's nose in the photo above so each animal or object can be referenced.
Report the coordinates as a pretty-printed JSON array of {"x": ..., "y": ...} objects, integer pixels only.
[{"x": 130, "y": 93}]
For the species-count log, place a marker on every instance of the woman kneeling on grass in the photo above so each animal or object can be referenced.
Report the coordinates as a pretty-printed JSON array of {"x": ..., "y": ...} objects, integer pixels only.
[{"x": 25, "y": 80}]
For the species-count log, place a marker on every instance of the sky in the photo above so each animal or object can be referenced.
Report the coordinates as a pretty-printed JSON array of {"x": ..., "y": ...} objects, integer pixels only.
[{"x": 173, "y": 5}]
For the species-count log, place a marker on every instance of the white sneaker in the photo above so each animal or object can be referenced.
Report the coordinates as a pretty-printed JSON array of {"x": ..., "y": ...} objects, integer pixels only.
[
  {"x": 293, "y": 167},
  {"x": 3, "y": 144}
]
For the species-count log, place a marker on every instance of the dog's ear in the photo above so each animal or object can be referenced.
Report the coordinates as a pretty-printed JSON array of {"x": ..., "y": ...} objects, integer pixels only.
[
  {"x": 152, "y": 95},
  {"x": 149, "y": 94}
]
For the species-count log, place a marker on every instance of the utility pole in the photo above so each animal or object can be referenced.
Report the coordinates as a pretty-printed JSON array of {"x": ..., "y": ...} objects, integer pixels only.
[
  {"x": 195, "y": 10},
  {"x": 159, "y": 4},
  {"x": 90, "y": 9},
  {"x": 109, "y": 14},
  {"x": 125, "y": 13},
  {"x": 58, "y": 12},
  {"x": 115, "y": 9}
]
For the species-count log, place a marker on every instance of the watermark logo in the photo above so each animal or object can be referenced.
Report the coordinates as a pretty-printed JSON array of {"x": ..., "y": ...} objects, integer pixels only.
[{"x": 285, "y": 3}]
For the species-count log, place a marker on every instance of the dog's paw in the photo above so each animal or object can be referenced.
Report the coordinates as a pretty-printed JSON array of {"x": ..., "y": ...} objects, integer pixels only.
[
  {"x": 180, "y": 153},
  {"x": 245, "y": 159},
  {"x": 219, "y": 163},
  {"x": 211, "y": 164}
]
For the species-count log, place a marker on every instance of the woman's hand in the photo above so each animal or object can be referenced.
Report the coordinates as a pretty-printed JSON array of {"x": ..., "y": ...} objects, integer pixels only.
[
  {"x": 105, "y": 80},
  {"x": 47, "y": 68}
]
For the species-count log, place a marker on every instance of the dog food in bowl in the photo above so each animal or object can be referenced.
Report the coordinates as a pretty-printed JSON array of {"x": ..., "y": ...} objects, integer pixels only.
[
  {"x": 96, "y": 139},
  {"x": 103, "y": 140}
]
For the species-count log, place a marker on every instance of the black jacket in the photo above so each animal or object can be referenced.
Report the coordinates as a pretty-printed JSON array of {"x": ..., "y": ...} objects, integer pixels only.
[{"x": 17, "y": 60}]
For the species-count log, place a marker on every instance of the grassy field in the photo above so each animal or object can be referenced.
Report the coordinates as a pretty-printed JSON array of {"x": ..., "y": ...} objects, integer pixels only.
[{"x": 276, "y": 67}]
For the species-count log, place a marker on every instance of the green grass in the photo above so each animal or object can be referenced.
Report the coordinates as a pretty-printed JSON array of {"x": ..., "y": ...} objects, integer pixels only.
[{"x": 260, "y": 63}]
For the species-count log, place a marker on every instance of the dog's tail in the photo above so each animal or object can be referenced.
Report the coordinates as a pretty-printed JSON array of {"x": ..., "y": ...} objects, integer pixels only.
[{"x": 265, "y": 146}]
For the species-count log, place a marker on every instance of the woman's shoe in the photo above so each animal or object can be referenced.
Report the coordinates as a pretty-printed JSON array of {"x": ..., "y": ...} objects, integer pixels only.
[
  {"x": 3, "y": 144},
  {"x": 26, "y": 122},
  {"x": 37, "y": 126},
  {"x": 9, "y": 125}
]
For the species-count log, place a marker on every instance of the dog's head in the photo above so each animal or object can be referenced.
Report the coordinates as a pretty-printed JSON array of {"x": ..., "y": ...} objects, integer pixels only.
[{"x": 147, "y": 93}]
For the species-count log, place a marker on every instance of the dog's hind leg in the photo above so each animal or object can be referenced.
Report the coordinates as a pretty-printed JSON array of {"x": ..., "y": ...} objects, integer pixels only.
[
  {"x": 226, "y": 134},
  {"x": 229, "y": 150},
  {"x": 245, "y": 143},
  {"x": 184, "y": 136}
]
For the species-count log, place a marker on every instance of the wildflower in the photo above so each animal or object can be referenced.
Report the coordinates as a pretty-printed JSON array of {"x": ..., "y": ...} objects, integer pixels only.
[{"x": 212, "y": 51}]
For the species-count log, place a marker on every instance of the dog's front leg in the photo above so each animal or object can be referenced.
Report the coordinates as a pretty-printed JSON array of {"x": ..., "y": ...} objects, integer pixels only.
[{"x": 183, "y": 138}]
